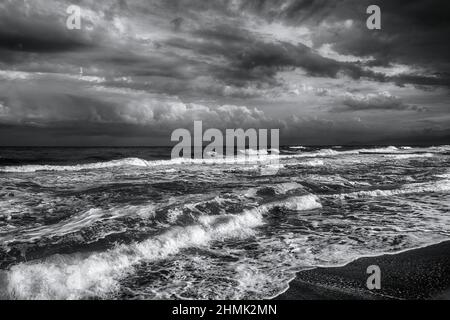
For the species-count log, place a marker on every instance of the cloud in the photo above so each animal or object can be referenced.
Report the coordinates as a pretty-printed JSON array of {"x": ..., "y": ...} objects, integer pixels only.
[
  {"x": 377, "y": 101},
  {"x": 26, "y": 29},
  {"x": 48, "y": 105},
  {"x": 143, "y": 67}
]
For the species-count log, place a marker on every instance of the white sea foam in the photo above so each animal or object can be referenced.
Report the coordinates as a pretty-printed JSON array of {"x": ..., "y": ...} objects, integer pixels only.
[
  {"x": 443, "y": 148},
  {"x": 247, "y": 156},
  {"x": 299, "y": 203},
  {"x": 329, "y": 152},
  {"x": 284, "y": 188},
  {"x": 77, "y": 276},
  {"x": 279, "y": 189},
  {"x": 78, "y": 167},
  {"x": 437, "y": 186},
  {"x": 409, "y": 156},
  {"x": 443, "y": 175},
  {"x": 298, "y": 147},
  {"x": 380, "y": 150},
  {"x": 137, "y": 162},
  {"x": 334, "y": 179},
  {"x": 313, "y": 163},
  {"x": 173, "y": 215},
  {"x": 270, "y": 169},
  {"x": 318, "y": 154},
  {"x": 78, "y": 222}
]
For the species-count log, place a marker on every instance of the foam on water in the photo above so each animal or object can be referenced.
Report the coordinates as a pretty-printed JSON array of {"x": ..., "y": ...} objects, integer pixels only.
[
  {"x": 299, "y": 203},
  {"x": 246, "y": 156},
  {"x": 438, "y": 186},
  {"x": 380, "y": 150},
  {"x": 78, "y": 167},
  {"x": 409, "y": 156},
  {"x": 283, "y": 188},
  {"x": 78, "y": 222},
  {"x": 217, "y": 231},
  {"x": 137, "y": 162},
  {"x": 78, "y": 276}
]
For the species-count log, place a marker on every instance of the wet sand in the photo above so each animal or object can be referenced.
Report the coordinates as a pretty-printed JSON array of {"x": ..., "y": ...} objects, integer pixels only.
[{"x": 422, "y": 273}]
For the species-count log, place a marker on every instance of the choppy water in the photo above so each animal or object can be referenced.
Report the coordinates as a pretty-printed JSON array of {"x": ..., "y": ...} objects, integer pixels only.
[{"x": 130, "y": 223}]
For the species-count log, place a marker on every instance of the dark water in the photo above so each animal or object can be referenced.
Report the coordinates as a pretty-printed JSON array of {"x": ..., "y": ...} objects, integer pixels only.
[{"x": 131, "y": 223}]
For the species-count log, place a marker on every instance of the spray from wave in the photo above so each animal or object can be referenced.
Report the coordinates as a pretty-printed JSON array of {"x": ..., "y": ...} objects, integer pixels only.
[{"x": 79, "y": 276}]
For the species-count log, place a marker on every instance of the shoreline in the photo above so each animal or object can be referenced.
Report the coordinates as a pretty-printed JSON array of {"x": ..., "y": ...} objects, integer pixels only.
[{"x": 420, "y": 273}]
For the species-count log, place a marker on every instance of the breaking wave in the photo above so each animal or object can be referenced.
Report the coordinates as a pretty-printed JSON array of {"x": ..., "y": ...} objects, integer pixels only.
[
  {"x": 437, "y": 186},
  {"x": 247, "y": 156},
  {"x": 80, "y": 276},
  {"x": 137, "y": 162},
  {"x": 299, "y": 203},
  {"x": 79, "y": 167},
  {"x": 379, "y": 150},
  {"x": 409, "y": 156},
  {"x": 78, "y": 222}
]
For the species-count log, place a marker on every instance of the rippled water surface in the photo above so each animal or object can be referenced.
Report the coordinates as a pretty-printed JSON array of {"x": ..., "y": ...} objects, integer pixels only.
[{"x": 131, "y": 223}]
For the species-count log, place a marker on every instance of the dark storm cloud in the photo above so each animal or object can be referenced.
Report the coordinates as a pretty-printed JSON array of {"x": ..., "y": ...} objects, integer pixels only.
[
  {"x": 45, "y": 38},
  {"x": 380, "y": 101},
  {"x": 436, "y": 79},
  {"x": 36, "y": 33},
  {"x": 145, "y": 67},
  {"x": 413, "y": 32},
  {"x": 250, "y": 59}
]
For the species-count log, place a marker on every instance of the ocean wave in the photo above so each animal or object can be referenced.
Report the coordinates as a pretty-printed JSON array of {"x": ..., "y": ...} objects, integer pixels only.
[
  {"x": 443, "y": 148},
  {"x": 78, "y": 222},
  {"x": 248, "y": 156},
  {"x": 405, "y": 150},
  {"x": 78, "y": 276},
  {"x": 334, "y": 179},
  {"x": 437, "y": 186},
  {"x": 137, "y": 162},
  {"x": 78, "y": 167},
  {"x": 253, "y": 152},
  {"x": 379, "y": 150},
  {"x": 284, "y": 188},
  {"x": 298, "y": 147},
  {"x": 443, "y": 175},
  {"x": 310, "y": 163},
  {"x": 279, "y": 189},
  {"x": 409, "y": 155},
  {"x": 299, "y": 203},
  {"x": 93, "y": 275}
]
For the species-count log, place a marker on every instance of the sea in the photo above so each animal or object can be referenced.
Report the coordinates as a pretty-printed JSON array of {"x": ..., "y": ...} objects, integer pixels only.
[{"x": 132, "y": 223}]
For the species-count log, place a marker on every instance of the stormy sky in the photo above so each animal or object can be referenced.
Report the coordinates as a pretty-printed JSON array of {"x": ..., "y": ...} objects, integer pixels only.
[{"x": 138, "y": 69}]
